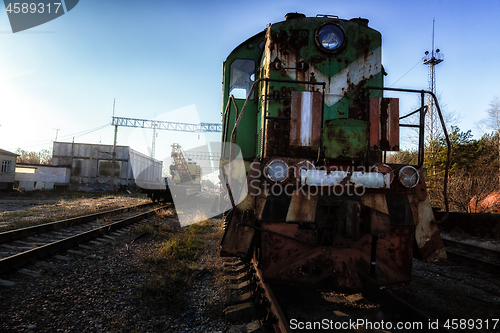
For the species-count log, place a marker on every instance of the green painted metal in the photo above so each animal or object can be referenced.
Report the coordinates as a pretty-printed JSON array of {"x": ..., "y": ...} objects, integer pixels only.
[
  {"x": 345, "y": 138},
  {"x": 247, "y": 133},
  {"x": 287, "y": 46}
]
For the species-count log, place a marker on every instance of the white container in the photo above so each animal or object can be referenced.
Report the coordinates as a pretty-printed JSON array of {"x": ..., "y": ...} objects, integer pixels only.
[
  {"x": 313, "y": 177},
  {"x": 368, "y": 179},
  {"x": 335, "y": 177}
]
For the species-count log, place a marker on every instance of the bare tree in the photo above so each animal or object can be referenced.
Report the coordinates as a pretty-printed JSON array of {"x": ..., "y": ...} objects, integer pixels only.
[
  {"x": 43, "y": 156},
  {"x": 492, "y": 122}
]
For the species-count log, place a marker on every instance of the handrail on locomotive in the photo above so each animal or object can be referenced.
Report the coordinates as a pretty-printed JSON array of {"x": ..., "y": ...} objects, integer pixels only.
[{"x": 420, "y": 126}]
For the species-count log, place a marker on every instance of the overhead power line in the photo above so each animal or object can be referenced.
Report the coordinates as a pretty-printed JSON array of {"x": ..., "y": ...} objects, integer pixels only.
[
  {"x": 46, "y": 142},
  {"x": 418, "y": 62}
]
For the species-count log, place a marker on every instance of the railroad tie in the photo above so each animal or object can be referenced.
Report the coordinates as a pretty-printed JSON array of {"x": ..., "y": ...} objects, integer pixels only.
[
  {"x": 67, "y": 259},
  {"x": 243, "y": 311},
  {"x": 7, "y": 284},
  {"x": 29, "y": 272}
]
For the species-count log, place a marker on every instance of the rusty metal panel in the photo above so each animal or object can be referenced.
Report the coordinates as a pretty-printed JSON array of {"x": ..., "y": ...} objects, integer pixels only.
[
  {"x": 260, "y": 202},
  {"x": 342, "y": 267},
  {"x": 375, "y": 123},
  {"x": 393, "y": 125},
  {"x": 375, "y": 201},
  {"x": 238, "y": 239},
  {"x": 380, "y": 223},
  {"x": 345, "y": 138},
  {"x": 427, "y": 237},
  {"x": 305, "y": 127},
  {"x": 384, "y": 124},
  {"x": 302, "y": 207},
  {"x": 254, "y": 178}
]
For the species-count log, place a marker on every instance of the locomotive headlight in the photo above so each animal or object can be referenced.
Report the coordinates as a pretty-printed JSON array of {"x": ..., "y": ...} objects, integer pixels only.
[
  {"x": 302, "y": 165},
  {"x": 276, "y": 170},
  {"x": 330, "y": 37},
  {"x": 408, "y": 176}
]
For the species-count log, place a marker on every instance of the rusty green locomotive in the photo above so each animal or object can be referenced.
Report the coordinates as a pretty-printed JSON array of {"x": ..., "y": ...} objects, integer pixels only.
[{"x": 303, "y": 101}]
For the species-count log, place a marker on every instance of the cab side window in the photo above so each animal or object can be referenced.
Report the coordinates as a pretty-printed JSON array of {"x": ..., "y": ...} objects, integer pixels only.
[{"x": 241, "y": 78}]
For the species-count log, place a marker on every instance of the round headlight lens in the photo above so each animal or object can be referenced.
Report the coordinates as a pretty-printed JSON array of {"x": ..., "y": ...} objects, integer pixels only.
[
  {"x": 408, "y": 176},
  {"x": 330, "y": 37},
  {"x": 276, "y": 170},
  {"x": 303, "y": 165}
]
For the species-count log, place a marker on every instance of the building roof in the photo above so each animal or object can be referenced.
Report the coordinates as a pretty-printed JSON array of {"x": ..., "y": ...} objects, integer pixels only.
[{"x": 8, "y": 153}]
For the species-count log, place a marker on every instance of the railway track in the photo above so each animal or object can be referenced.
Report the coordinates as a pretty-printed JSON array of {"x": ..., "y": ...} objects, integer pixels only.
[
  {"x": 287, "y": 309},
  {"x": 22, "y": 246},
  {"x": 478, "y": 256}
]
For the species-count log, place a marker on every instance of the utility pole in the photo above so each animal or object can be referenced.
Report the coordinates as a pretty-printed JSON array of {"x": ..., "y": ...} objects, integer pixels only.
[
  {"x": 431, "y": 59},
  {"x": 57, "y": 131},
  {"x": 112, "y": 179}
]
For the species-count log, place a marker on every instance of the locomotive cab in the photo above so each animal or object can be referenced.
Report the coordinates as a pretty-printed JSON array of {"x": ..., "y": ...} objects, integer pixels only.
[{"x": 304, "y": 102}]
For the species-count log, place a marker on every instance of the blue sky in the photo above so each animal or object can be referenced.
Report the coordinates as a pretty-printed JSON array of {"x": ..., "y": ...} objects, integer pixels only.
[{"x": 163, "y": 60}]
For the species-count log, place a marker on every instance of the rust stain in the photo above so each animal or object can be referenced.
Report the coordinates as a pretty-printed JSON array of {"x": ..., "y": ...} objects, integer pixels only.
[
  {"x": 302, "y": 207},
  {"x": 238, "y": 239},
  {"x": 427, "y": 236},
  {"x": 306, "y": 111},
  {"x": 380, "y": 223},
  {"x": 376, "y": 201},
  {"x": 384, "y": 124},
  {"x": 343, "y": 267}
]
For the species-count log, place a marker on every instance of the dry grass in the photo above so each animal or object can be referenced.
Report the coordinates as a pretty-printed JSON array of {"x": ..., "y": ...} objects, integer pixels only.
[{"x": 173, "y": 264}]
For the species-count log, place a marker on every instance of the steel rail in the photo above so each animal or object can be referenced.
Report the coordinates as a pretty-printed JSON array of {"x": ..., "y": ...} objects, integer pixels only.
[
  {"x": 481, "y": 263},
  {"x": 383, "y": 297},
  {"x": 393, "y": 302},
  {"x": 23, "y": 258},
  {"x": 12, "y": 235},
  {"x": 486, "y": 265},
  {"x": 473, "y": 248},
  {"x": 283, "y": 325}
]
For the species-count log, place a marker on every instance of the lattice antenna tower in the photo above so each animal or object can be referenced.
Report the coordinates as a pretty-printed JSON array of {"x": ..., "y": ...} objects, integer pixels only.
[{"x": 431, "y": 59}]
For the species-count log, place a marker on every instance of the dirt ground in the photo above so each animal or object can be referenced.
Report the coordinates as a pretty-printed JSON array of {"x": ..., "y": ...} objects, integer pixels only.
[
  {"x": 100, "y": 290},
  {"x": 103, "y": 289}
]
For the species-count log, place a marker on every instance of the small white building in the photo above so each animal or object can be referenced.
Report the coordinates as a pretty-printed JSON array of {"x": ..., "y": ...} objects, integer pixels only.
[
  {"x": 41, "y": 177},
  {"x": 7, "y": 169}
]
